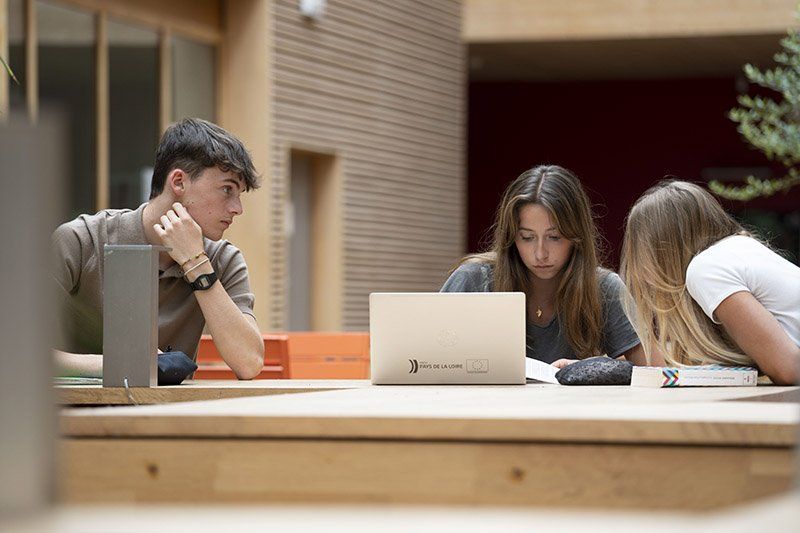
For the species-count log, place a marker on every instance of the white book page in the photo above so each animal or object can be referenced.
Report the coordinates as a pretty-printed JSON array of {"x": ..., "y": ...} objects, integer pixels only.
[{"x": 536, "y": 370}]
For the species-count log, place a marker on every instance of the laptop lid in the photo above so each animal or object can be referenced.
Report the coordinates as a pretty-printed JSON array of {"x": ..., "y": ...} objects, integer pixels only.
[{"x": 447, "y": 338}]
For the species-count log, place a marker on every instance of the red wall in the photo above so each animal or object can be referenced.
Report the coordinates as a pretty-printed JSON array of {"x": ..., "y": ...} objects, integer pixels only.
[{"x": 619, "y": 137}]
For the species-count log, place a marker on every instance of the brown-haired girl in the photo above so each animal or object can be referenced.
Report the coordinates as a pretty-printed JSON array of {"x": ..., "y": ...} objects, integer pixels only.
[{"x": 545, "y": 245}]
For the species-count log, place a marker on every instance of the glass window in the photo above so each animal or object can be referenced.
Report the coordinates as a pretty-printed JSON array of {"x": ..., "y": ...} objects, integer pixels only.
[
  {"x": 193, "y": 90},
  {"x": 67, "y": 84},
  {"x": 67, "y": 87},
  {"x": 16, "y": 53},
  {"x": 133, "y": 112}
]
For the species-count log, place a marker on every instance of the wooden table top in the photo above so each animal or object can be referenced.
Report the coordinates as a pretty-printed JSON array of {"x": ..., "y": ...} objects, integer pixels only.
[
  {"x": 198, "y": 390},
  {"x": 781, "y": 514},
  {"x": 544, "y": 413}
]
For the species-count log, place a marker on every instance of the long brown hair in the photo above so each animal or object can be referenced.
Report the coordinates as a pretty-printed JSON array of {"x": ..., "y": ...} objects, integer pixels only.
[
  {"x": 578, "y": 302},
  {"x": 670, "y": 224}
]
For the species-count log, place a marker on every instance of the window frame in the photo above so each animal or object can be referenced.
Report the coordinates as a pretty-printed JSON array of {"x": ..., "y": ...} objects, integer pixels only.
[{"x": 203, "y": 28}]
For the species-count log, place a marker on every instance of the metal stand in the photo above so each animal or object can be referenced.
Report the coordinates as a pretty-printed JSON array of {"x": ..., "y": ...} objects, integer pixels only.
[{"x": 130, "y": 315}]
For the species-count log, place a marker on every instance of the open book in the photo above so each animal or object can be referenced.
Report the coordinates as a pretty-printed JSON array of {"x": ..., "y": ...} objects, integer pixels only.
[
  {"x": 60, "y": 380},
  {"x": 539, "y": 372}
]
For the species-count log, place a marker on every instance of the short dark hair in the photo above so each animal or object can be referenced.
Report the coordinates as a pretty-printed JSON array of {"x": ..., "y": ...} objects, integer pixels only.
[{"x": 193, "y": 145}]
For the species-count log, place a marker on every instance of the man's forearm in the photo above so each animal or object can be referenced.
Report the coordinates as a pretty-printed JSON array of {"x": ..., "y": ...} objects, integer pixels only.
[
  {"x": 84, "y": 365},
  {"x": 235, "y": 334}
]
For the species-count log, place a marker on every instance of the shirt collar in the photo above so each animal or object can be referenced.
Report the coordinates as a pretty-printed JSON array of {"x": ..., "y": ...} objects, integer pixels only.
[{"x": 131, "y": 230}]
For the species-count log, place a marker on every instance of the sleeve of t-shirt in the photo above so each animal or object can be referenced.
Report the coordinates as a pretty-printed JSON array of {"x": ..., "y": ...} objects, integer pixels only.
[
  {"x": 469, "y": 277},
  {"x": 618, "y": 333},
  {"x": 67, "y": 256},
  {"x": 234, "y": 278},
  {"x": 712, "y": 277}
]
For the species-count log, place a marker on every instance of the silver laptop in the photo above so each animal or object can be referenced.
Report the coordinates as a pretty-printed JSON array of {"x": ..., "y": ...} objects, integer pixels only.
[{"x": 447, "y": 338}]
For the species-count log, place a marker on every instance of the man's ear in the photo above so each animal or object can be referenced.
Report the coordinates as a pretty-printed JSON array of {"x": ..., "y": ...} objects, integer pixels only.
[{"x": 176, "y": 181}]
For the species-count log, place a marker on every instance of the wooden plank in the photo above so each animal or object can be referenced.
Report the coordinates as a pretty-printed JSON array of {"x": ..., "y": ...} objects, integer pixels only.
[
  {"x": 782, "y": 396},
  {"x": 336, "y": 48},
  {"x": 378, "y": 245},
  {"x": 164, "y": 80},
  {"x": 454, "y": 473},
  {"x": 191, "y": 391},
  {"x": 196, "y": 19},
  {"x": 386, "y": 269},
  {"x": 386, "y": 19},
  {"x": 375, "y": 81},
  {"x": 31, "y": 61},
  {"x": 410, "y": 139},
  {"x": 540, "y": 20},
  {"x": 544, "y": 413},
  {"x": 367, "y": 211},
  {"x": 420, "y": 125},
  {"x": 245, "y": 99},
  {"x": 383, "y": 86},
  {"x": 773, "y": 514},
  {"x": 391, "y": 19},
  {"x": 438, "y": 164},
  {"x": 622, "y": 59},
  {"x": 5, "y": 79},
  {"x": 367, "y": 214},
  {"x": 102, "y": 88},
  {"x": 377, "y": 151},
  {"x": 298, "y": 83}
]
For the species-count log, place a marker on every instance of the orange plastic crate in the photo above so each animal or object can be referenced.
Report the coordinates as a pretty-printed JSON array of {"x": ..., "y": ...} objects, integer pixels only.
[
  {"x": 328, "y": 355},
  {"x": 210, "y": 364},
  {"x": 297, "y": 355}
]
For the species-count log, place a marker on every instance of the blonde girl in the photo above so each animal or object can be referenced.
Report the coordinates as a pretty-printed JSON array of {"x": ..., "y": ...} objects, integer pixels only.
[{"x": 705, "y": 291}]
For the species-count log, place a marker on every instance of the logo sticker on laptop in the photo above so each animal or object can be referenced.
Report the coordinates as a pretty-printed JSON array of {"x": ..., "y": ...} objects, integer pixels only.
[
  {"x": 447, "y": 338},
  {"x": 477, "y": 366},
  {"x": 429, "y": 366}
]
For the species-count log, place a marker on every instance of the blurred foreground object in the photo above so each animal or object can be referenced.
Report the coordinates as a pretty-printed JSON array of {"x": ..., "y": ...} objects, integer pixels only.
[{"x": 31, "y": 171}]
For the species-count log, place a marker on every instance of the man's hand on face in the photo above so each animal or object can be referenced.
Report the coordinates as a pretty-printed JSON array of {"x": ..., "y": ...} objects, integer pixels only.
[{"x": 181, "y": 233}]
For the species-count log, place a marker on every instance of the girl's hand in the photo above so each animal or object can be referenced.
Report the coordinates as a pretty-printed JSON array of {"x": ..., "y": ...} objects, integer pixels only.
[{"x": 561, "y": 363}]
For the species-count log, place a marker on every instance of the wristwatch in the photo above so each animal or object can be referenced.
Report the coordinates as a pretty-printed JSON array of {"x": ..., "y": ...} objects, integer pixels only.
[{"x": 203, "y": 282}]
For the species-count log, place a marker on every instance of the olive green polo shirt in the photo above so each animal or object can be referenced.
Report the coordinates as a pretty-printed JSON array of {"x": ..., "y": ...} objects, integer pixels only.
[{"x": 78, "y": 270}]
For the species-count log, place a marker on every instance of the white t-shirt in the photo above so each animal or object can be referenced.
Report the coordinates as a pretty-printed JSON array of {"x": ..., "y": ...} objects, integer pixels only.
[{"x": 739, "y": 263}]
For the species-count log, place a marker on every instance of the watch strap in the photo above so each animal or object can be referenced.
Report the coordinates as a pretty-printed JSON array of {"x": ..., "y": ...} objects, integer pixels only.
[{"x": 203, "y": 282}]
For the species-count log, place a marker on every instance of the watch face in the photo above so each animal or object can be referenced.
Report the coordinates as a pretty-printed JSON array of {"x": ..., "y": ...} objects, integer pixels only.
[{"x": 204, "y": 282}]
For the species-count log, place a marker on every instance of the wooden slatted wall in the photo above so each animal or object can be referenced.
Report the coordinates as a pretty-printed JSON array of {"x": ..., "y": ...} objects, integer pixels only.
[{"x": 382, "y": 84}]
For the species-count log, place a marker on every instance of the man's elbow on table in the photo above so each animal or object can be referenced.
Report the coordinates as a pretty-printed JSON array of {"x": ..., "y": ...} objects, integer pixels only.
[{"x": 252, "y": 364}]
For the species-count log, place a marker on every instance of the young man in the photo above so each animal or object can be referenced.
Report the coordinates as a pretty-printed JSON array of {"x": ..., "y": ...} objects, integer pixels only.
[{"x": 200, "y": 171}]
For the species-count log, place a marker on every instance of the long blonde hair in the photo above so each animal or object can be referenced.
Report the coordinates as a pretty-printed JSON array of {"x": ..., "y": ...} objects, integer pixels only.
[
  {"x": 670, "y": 224},
  {"x": 578, "y": 302}
]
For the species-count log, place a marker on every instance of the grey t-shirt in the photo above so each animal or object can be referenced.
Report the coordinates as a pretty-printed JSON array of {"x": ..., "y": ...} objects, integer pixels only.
[
  {"x": 549, "y": 343},
  {"x": 77, "y": 248}
]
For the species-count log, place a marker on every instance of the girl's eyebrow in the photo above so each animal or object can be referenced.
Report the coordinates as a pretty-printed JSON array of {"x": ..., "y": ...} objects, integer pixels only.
[{"x": 548, "y": 229}]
